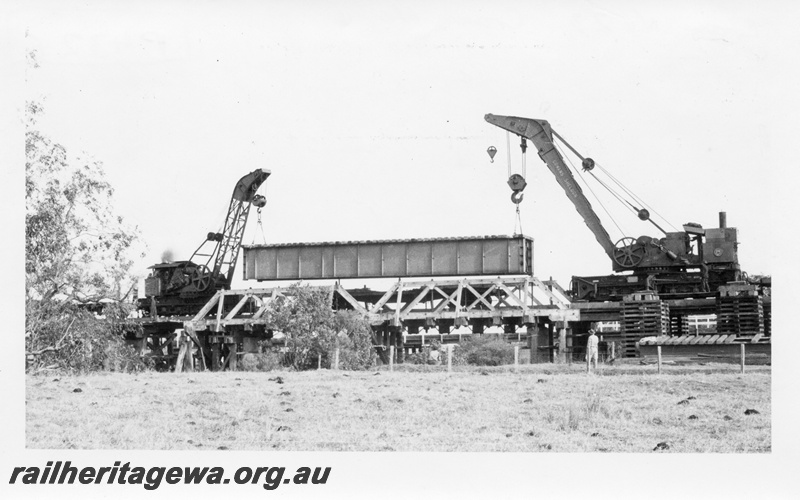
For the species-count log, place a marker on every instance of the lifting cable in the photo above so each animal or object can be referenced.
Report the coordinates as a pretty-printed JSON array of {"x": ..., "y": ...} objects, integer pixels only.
[
  {"x": 518, "y": 216},
  {"x": 518, "y": 222},
  {"x": 260, "y": 226},
  {"x": 508, "y": 151}
]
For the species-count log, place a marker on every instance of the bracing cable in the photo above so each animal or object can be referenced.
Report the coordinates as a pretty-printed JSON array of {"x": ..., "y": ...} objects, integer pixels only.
[
  {"x": 613, "y": 192},
  {"x": 634, "y": 196},
  {"x": 627, "y": 204},
  {"x": 590, "y": 190},
  {"x": 624, "y": 202}
]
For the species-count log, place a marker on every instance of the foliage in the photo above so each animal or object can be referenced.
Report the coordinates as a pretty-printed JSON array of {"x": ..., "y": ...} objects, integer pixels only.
[
  {"x": 419, "y": 358},
  {"x": 354, "y": 340},
  {"x": 74, "y": 243},
  {"x": 484, "y": 350},
  {"x": 312, "y": 330},
  {"x": 76, "y": 252},
  {"x": 69, "y": 338},
  {"x": 304, "y": 315},
  {"x": 261, "y": 362},
  {"x": 424, "y": 356}
]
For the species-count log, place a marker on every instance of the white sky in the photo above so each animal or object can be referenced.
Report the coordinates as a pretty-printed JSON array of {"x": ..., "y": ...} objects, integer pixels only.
[{"x": 370, "y": 117}]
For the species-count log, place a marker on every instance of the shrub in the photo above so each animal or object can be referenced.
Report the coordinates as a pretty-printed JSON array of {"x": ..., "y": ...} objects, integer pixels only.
[
  {"x": 312, "y": 330},
  {"x": 424, "y": 357},
  {"x": 487, "y": 351},
  {"x": 304, "y": 315},
  {"x": 67, "y": 338},
  {"x": 354, "y": 340},
  {"x": 419, "y": 358},
  {"x": 261, "y": 362}
]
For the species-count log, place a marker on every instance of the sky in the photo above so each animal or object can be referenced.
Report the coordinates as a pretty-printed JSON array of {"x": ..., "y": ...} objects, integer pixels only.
[{"x": 370, "y": 117}]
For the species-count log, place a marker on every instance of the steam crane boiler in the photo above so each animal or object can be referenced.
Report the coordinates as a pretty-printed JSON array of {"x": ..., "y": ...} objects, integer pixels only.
[
  {"x": 688, "y": 263},
  {"x": 182, "y": 288}
]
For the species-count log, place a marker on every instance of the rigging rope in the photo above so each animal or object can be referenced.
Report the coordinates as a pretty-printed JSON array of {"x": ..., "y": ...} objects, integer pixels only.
[
  {"x": 518, "y": 221},
  {"x": 627, "y": 204},
  {"x": 590, "y": 190},
  {"x": 261, "y": 227},
  {"x": 627, "y": 191},
  {"x": 634, "y": 196}
]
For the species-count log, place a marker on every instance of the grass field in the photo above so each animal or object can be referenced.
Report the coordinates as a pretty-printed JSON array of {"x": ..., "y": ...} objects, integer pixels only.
[{"x": 541, "y": 408}]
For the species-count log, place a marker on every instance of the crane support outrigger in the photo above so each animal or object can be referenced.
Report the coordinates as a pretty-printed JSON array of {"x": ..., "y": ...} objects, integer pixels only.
[{"x": 685, "y": 263}]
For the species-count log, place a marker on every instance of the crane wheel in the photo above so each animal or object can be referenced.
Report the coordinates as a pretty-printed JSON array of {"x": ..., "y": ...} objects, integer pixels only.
[
  {"x": 201, "y": 278},
  {"x": 628, "y": 252}
]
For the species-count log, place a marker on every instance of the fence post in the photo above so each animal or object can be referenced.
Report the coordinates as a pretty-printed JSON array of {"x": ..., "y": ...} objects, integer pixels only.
[
  {"x": 319, "y": 361},
  {"x": 516, "y": 357},
  {"x": 449, "y": 357},
  {"x": 336, "y": 359},
  {"x": 658, "y": 351},
  {"x": 391, "y": 358},
  {"x": 741, "y": 356}
]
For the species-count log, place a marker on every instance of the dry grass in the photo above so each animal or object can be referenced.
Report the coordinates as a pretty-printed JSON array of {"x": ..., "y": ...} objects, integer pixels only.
[{"x": 541, "y": 408}]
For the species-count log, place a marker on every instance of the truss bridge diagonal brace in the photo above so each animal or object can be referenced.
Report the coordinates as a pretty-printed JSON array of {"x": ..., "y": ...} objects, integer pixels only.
[
  {"x": 554, "y": 300},
  {"x": 238, "y": 306},
  {"x": 220, "y": 305},
  {"x": 397, "y": 305},
  {"x": 265, "y": 301},
  {"x": 421, "y": 295},
  {"x": 448, "y": 299},
  {"x": 480, "y": 297},
  {"x": 459, "y": 293},
  {"x": 510, "y": 293},
  {"x": 386, "y": 297},
  {"x": 207, "y": 308},
  {"x": 338, "y": 288}
]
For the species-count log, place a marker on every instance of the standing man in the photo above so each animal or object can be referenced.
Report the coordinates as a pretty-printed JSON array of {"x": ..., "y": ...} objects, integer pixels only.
[{"x": 591, "y": 350}]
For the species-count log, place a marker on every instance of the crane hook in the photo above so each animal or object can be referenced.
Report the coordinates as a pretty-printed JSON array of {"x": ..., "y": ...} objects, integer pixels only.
[{"x": 516, "y": 197}]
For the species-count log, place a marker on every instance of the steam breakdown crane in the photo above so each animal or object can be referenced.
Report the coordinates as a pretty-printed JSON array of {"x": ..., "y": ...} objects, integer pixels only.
[
  {"x": 693, "y": 262},
  {"x": 183, "y": 287}
]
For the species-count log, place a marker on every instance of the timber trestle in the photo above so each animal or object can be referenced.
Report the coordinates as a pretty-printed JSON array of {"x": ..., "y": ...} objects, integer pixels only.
[{"x": 409, "y": 315}]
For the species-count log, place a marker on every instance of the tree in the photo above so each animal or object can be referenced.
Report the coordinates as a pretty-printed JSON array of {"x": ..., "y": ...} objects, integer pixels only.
[
  {"x": 312, "y": 329},
  {"x": 74, "y": 243},
  {"x": 76, "y": 247}
]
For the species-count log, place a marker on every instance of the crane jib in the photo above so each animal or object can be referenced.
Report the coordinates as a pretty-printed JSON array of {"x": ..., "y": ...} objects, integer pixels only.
[{"x": 540, "y": 133}]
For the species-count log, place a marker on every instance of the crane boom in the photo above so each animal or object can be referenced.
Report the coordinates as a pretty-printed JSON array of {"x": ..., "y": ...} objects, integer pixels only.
[
  {"x": 228, "y": 249},
  {"x": 183, "y": 287},
  {"x": 541, "y": 134}
]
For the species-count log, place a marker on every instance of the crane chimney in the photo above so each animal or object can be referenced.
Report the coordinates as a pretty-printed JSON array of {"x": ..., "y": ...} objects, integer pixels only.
[{"x": 723, "y": 220}]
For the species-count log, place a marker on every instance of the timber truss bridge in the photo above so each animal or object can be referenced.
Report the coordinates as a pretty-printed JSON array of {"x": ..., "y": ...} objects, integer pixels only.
[{"x": 407, "y": 316}]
